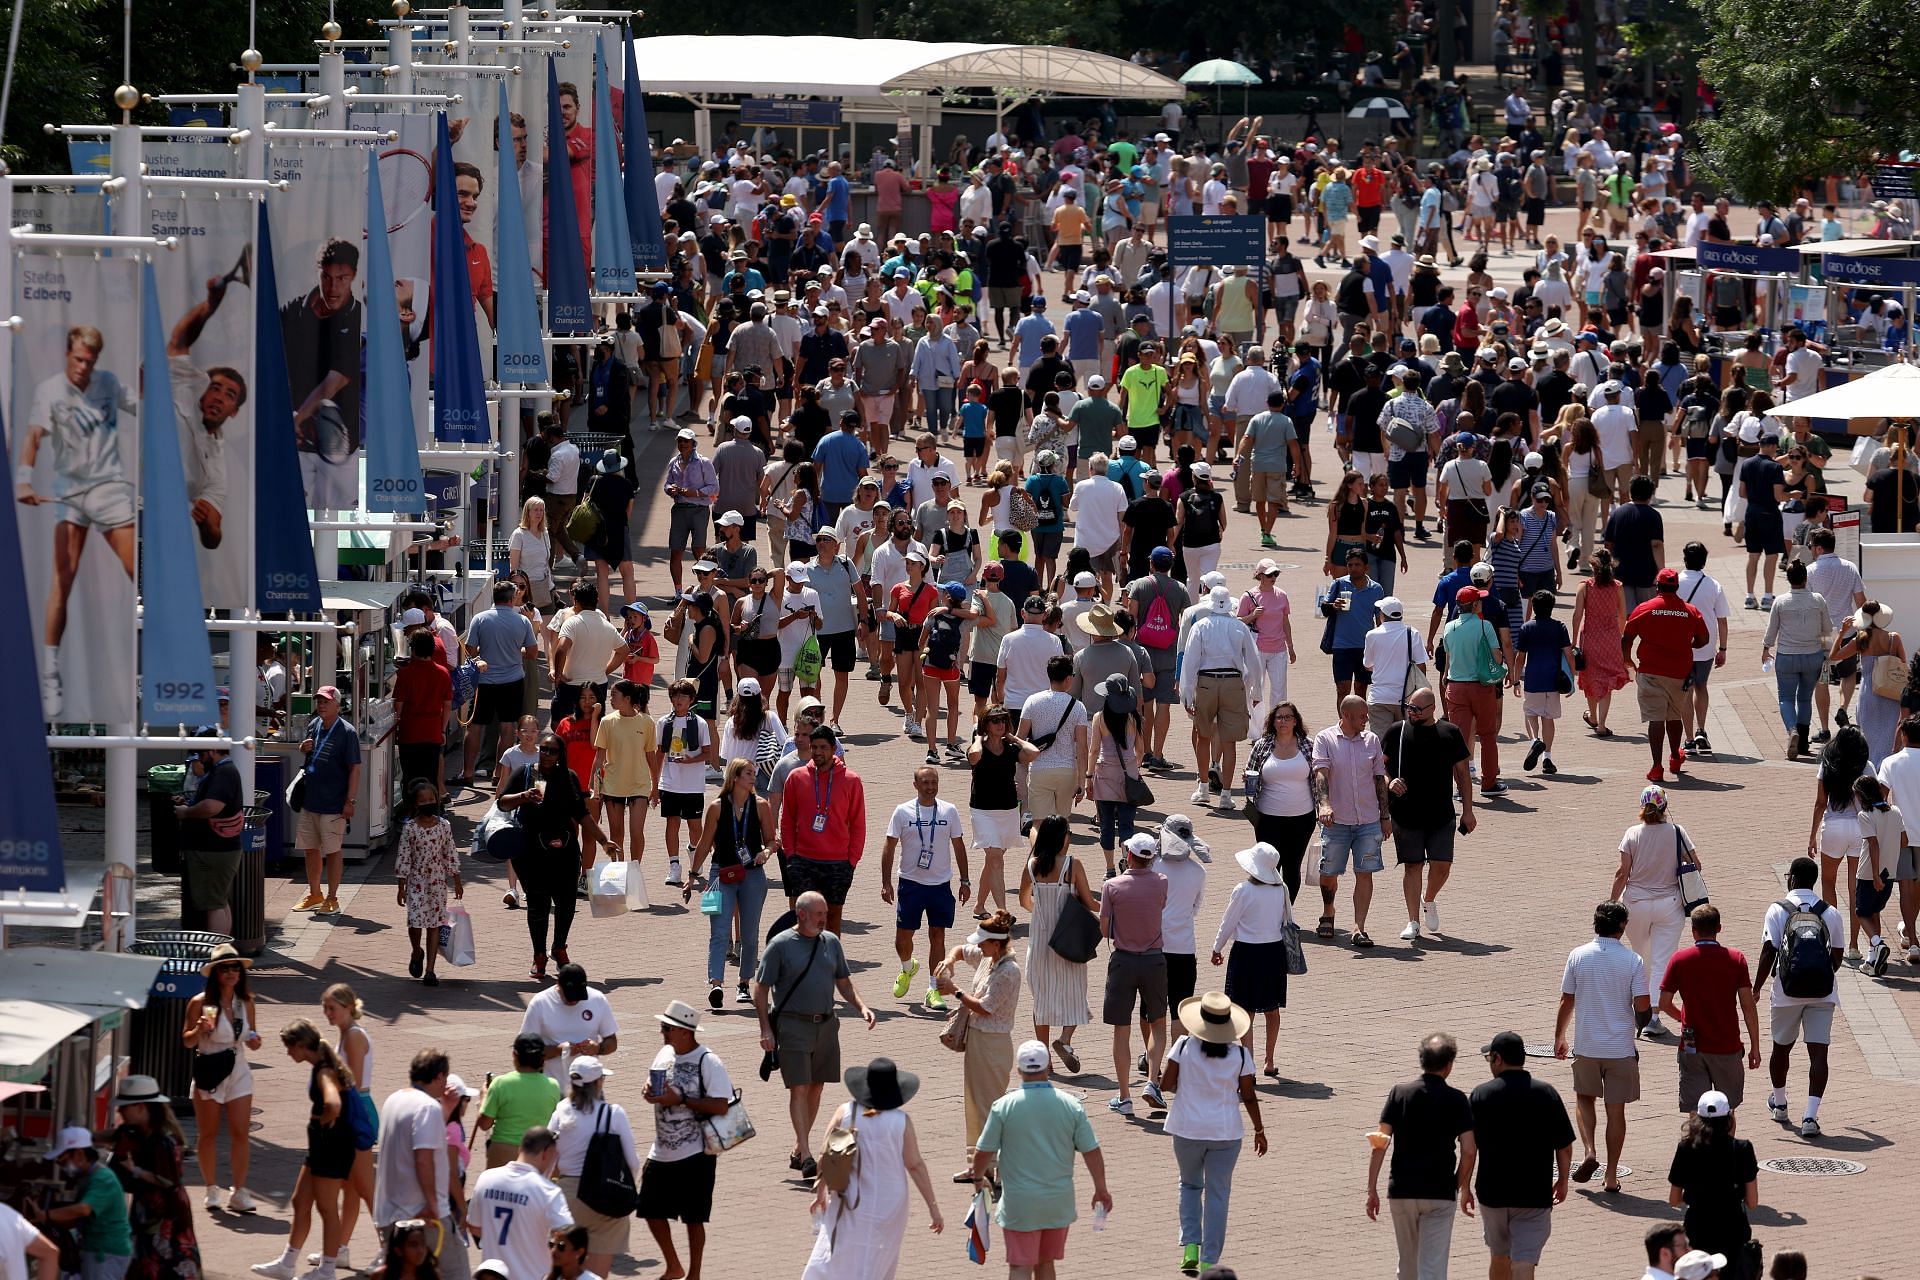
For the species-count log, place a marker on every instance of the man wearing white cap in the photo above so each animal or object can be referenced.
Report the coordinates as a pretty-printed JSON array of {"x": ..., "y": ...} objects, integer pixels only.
[
  {"x": 98, "y": 1214},
  {"x": 687, "y": 1084},
  {"x": 1132, "y": 906},
  {"x": 1034, "y": 1131},
  {"x": 1397, "y": 658},
  {"x": 1216, "y": 662},
  {"x": 515, "y": 1207},
  {"x": 1698, "y": 1264}
]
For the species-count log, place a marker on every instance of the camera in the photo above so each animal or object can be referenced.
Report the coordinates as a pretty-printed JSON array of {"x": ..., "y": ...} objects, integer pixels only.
[{"x": 1313, "y": 104}]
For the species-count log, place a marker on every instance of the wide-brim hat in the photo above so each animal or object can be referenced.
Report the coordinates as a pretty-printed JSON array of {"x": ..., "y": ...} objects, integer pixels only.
[
  {"x": 1262, "y": 862},
  {"x": 1098, "y": 621},
  {"x": 135, "y": 1090},
  {"x": 881, "y": 1085},
  {"x": 225, "y": 953},
  {"x": 1214, "y": 1018}
]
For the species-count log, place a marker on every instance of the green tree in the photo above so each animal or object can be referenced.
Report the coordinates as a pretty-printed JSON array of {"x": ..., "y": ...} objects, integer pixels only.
[{"x": 1806, "y": 90}]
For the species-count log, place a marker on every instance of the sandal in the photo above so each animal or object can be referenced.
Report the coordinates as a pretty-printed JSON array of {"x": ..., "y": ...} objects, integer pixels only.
[
  {"x": 1361, "y": 938},
  {"x": 1325, "y": 928}
]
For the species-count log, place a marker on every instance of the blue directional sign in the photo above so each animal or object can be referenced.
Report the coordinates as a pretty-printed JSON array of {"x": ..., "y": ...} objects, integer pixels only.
[
  {"x": 1215, "y": 240},
  {"x": 789, "y": 112}
]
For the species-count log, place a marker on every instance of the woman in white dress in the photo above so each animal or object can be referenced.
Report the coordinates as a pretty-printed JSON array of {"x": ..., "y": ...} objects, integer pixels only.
[
  {"x": 862, "y": 1227},
  {"x": 220, "y": 1028},
  {"x": 1059, "y": 985}
]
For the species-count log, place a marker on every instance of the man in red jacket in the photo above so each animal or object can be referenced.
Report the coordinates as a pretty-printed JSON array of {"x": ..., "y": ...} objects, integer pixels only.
[{"x": 823, "y": 826}]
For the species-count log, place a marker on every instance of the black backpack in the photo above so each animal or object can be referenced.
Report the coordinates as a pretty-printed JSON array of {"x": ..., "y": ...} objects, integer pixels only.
[{"x": 1806, "y": 962}]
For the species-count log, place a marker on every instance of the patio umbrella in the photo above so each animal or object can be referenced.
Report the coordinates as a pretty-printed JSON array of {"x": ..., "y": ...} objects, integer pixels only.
[
  {"x": 1218, "y": 72},
  {"x": 1377, "y": 109},
  {"x": 1892, "y": 392}
]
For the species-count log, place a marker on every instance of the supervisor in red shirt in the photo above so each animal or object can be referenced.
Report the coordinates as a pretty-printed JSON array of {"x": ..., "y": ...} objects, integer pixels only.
[
  {"x": 422, "y": 693},
  {"x": 1668, "y": 630},
  {"x": 1369, "y": 194},
  {"x": 1707, "y": 990},
  {"x": 823, "y": 826}
]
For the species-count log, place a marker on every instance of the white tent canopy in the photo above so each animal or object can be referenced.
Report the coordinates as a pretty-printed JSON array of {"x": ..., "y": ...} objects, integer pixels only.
[
  {"x": 841, "y": 67},
  {"x": 1892, "y": 392}
]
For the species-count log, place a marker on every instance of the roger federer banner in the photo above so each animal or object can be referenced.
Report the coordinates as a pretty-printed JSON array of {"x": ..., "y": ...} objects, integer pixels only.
[
  {"x": 568, "y": 308},
  {"x": 284, "y": 576},
  {"x": 520, "y": 355},
  {"x": 176, "y": 667},
  {"x": 393, "y": 452},
  {"x": 459, "y": 385},
  {"x": 74, "y": 442}
]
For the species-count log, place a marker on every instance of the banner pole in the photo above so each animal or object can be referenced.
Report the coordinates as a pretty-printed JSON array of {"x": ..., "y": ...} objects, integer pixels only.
[
  {"x": 249, "y": 113},
  {"x": 121, "y": 824},
  {"x": 507, "y": 468}
]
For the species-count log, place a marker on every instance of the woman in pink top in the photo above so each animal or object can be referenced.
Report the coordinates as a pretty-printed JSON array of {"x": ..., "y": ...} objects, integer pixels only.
[{"x": 1266, "y": 611}]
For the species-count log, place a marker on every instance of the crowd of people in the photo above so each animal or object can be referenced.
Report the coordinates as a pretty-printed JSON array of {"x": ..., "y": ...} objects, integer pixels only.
[{"x": 1518, "y": 441}]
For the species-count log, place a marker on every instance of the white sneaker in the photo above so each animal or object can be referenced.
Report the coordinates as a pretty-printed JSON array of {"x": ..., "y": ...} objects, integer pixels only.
[
  {"x": 278, "y": 1269},
  {"x": 324, "y": 1271},
  {"x": 213, "y": 1198},
  {"x": 340, "y": 1262},
  {"x": 1810, "y": 1128},
  {"x": 1199, "y": 795},
  {"x": 1223, "y": 800},
  {"x": 1655, "y": 1027},
  {"x": 1411, "y": 933},
  {"x": 675, "y": 878},
  {"x": 241, "y": 1202},
  {"x": 1430, "y": 913},
  {"x": 913, "y": 727}
]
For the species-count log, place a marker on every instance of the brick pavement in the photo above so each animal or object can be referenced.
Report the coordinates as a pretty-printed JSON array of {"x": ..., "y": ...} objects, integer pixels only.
[{"x": 1523, "y": 888}]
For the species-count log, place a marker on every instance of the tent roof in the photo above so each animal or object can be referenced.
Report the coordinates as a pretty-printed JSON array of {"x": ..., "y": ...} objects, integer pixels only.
[
  {"x": 840, "y": 67},
  {"x": 1890, "y": 392}
]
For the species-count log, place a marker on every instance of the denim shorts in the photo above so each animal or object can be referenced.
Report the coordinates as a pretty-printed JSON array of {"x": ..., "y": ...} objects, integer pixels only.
[{"x": 1360, "y": 841}]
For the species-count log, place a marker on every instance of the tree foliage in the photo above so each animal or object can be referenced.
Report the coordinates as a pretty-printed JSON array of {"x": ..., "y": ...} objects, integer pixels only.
[{"x": 1806, "y": 90}]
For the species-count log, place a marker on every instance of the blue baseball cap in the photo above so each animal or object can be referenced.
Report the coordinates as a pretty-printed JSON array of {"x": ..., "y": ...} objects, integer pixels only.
[
  {"x": 1162, "y": 555},
  {"x": 956, "y": 591}
]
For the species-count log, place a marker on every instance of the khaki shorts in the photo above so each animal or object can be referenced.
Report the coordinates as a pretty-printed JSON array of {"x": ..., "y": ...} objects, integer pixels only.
[
  {"x": 1050, "y": 792},
  {"x": 323, "y": 831},
  {"x": 1810, "y": 1022},
  {"x": 1615, "y": 1081},
  {"x": 1661, "y": 697},
  {"x": 604, "y": 1234},
  {"x": 1544, "y": 705},
  {"x": 1519, "y": 1234},
  {"x": 1269, "y": 486},
  {"x": 1700, "y": 1072},
  {"x": 1220, "y": 708}
]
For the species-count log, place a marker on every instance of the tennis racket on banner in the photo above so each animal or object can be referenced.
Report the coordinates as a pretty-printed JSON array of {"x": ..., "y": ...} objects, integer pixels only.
[{"x": 406, "y": 187}]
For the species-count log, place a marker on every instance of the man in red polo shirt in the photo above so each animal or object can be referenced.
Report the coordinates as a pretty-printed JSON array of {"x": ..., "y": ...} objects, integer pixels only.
[
  {"x": 823, "y": 826},
  {"x": 468, "y": 183},
  {"x": 1669, "y": 630},
  {"x": 1707, "y": 991},
  {"x": 1369, "y": 192}
]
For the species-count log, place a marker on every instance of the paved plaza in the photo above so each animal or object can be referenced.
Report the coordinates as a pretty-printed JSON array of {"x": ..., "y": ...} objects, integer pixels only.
[{"x": 1521, "y": 896}]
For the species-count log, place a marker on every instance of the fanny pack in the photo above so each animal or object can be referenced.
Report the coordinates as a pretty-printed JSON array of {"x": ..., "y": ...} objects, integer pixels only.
[{"x": 210, "y": 1070}]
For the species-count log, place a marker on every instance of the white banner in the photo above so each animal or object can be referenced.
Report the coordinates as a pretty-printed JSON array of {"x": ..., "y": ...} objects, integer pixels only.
[
  {"x": 74, "y": 445},
  {"x": 207, "y": 305}
]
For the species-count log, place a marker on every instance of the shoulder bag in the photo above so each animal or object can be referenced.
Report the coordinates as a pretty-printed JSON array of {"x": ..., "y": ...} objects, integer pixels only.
[
  {"x": 1416, "y": 678},
  {"x": 1889, "y": 676},
  {"x": 1076, "y": 930},
  {"x": 1333, "y": 613},
  {"x": 606, "y": 1183},
  {"x": 1597, "y": 482},
  {"x": 731, "y": 1127},
  {"x": 954, "y": 1035},
  {"x": 1693, "y": 885},
  {"x": 771, "y": 1058},
  {"x": 841, "y": 1152}
]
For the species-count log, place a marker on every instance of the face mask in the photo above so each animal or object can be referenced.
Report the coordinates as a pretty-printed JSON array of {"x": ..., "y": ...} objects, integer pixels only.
[{"x": 426, "y": 810}]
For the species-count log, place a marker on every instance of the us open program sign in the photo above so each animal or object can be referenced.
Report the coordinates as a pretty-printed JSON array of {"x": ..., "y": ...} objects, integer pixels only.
[{"x": 1215, "y": 240}]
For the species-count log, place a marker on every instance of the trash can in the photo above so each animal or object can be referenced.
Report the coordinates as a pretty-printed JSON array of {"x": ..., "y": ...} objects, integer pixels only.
[
  {"x": 165, "y": 782},
  {"x": 154, "y": 1039},
  {"x": 270, "y": 776},
  {"x": 250, "y": 885}
]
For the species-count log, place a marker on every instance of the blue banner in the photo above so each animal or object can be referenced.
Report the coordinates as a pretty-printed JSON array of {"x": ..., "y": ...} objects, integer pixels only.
[
  {"x": 780, "y": 111},
  {"x": 1215, "y": 240},
  {"x": 176, "y": 667},
  {"x": 393, "y": 451},
  {"x": 612, "y": 246},
  {"x": 643, "y": 198},
  {"x": 1892, "y": 273},
  {"x": 459, "y": 384},
  {"x": 519, "y": 356},
  {"x": 29, "y": 817},
  {"x": 568, "y": 307},
  {"x": 1748, "y": 259},
  {"x": 87, "y": 156},
  {"x": 284, "y": 575}
]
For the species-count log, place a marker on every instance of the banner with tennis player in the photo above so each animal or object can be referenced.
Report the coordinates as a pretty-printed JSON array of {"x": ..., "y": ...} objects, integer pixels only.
[
  {"x": 75, "y": 455},
  {"x": 319, "y": 235},
  {"x": 205, "y": 292}
]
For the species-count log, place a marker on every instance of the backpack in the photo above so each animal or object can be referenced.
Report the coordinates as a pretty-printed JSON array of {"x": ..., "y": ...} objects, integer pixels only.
[
  {"x": 1045, "y": 507},
  {"x": 1021, "y": 513},
  {"x": 1806, "y": 966},
  {"x": 1698, "y": 422},
  {"x": 584, "y": 522},
  {"x": 1404, "y": 435},
  {"x": 1156, "y": 630}
]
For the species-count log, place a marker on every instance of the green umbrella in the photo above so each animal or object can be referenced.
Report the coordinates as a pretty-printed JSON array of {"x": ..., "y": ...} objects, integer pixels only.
[{"x": 1218, "y": 72}]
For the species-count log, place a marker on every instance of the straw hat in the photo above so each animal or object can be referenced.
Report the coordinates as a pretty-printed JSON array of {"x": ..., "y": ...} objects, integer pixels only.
[
  {"x": 225, "y": 953},
  {"x": 1098, "y": 621},
  {"x": 1881, "y": 616},
  {"x": 1214, "y": 1018}
]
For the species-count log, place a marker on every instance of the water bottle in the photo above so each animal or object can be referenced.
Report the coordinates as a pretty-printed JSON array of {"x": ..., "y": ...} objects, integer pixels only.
[
  {"x": 1099, "y": 1217},
  {"x": 1766, "y": 668}
]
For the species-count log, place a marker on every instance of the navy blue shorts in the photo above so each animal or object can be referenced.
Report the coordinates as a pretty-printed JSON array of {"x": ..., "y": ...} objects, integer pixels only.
[
  {"x": 1350, "y": 664},
  {"x": 1409, "y": 472},
  {"x": 1869, "y": 899},
  {"x": 914, "y": 901}
]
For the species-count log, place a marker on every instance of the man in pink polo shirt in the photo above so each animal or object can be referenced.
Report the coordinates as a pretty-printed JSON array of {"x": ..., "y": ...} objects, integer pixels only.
[{"x": 1267, "y": 612}]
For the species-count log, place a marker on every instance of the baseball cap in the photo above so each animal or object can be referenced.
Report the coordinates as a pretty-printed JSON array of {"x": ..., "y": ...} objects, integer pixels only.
[
  {"x": 1698, "y": 1264},
  {"x": 493, "y": 1267},
  {"x": 1390, "y": 606},
  {"x": 586, "y": 1069},
  {"x": 1127, "y": 444},
  {"x": 1096, "y": 383},
  {"x": 413, "y": 618},
  {"x": 1267, "y": 567},
  {"x": 1509, "y": 1046},
  {"x": 1142, "y": 845},
  {"x": 74, "y": 1138},
  {"x": 1713, "y": 1104},
  {"x": 1035, "y": 604},
  {"x": 328, "y": 692},
  {"x": 1667, "y": 578},
  {"x": 1162, "y": 555},
  {"x": 732, "y": 519},
  {"x": 1542, "y": 492},
  {"x": 1032, "y": 1056},
  {"x": 685, "y": 433},
  {"x": 1202, "y": 471},
  {"x": 1084, "y": 581},
  {"x": 1517, "y": 364},
  {"x": 1482, "y": 573},
  {"x": 1467, "y": 595}
]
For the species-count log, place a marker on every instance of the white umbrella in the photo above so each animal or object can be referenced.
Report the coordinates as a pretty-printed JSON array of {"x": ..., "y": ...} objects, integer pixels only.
[
  {"x": 1892, "y": 392},
  {"x": 1378, "y": 109}
]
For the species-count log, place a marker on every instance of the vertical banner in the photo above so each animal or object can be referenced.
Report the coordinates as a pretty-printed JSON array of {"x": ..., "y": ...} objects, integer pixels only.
[
  {"x": 30, "y": 855},
  {"x": 643, "y": 198},
  {"x": 318, "y": 228},
  {"x": 475, "y": 138},
  {"x": 393, "y": 451},
  {"x": 206, "y": 296},
  {"x": 284, "y": 574},
  {"x": 176, "y": 667},
  {"x": 76, "y": 366},
  {"x": 460, "y": 268},
  {"x": 406, "y": 186},
  {"x": 571, "y": 110},
  {"x": 568, "y": 307},
  {"x": 520, "y": 356},
  {"x": 526, "y": 119},
  {"x": 612, "y": 246}
]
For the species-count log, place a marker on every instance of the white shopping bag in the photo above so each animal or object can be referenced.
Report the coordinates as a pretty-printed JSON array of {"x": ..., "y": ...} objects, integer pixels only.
[
  {"x": 456, "y": 937},
  {"x": 618, "y": 887},
  {"x": 1863, "y": 453}
]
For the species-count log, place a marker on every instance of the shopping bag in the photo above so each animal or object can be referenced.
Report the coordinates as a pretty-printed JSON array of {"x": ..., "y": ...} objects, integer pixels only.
[
  {"x": 608, "y": 882},
  {"x": 727, "y": 1130},
  {"x": 456, "y": 937},
  {"x": 636, "y": 887},
  {"x": 1862, "y": 453},
  {"x": 979, "y": 1228}
]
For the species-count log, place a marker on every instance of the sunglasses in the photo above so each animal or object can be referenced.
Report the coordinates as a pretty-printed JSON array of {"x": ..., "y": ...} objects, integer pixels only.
[{"x": 549, "y": 751}]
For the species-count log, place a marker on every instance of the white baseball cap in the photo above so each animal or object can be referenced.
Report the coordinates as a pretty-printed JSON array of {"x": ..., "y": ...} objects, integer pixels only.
[
  {"x": 1142, "y": 845},
  {"x": 1084, "y": 581},
  {"x": 1713, "y": 1104},
  {"x": 1032, "y": 1056},
  {"x": 413, "y": 618},
  {"x": 76, "y": 1138}
]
